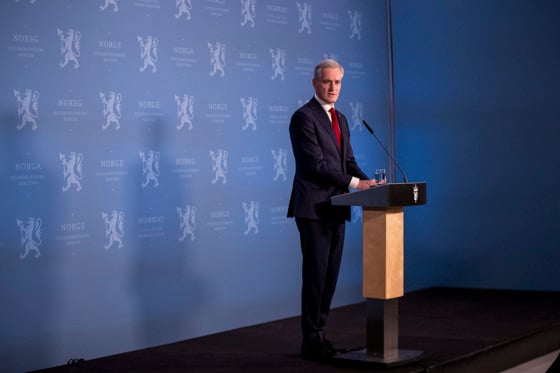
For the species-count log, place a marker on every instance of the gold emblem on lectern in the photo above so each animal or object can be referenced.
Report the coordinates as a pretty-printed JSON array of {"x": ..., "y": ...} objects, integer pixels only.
[{"x": 415, "y": 193}]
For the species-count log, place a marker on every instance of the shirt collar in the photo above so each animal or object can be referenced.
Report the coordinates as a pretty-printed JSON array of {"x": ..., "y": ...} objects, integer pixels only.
[{"x": 324, "y": 105}]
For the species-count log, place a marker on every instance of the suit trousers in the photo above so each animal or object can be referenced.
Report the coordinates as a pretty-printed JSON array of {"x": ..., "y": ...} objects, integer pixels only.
[{"x": 321, "y": 247}]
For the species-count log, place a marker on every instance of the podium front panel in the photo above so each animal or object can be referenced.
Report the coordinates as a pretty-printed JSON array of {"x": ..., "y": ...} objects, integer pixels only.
[{"x": 383, "y": 252}]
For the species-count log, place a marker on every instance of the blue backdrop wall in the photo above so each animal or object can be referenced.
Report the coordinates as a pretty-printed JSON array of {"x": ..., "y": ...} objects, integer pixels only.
[
  {"x": 146, "y": 165},
  {"x": 476, "y": 87}
]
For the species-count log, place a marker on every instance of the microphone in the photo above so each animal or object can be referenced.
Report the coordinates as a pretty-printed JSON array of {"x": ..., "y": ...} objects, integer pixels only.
[{"x": 405, "y": 179}]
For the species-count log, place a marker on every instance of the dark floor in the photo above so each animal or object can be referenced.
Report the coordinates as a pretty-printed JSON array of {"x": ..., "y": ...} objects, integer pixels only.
[{"x": 459, "y": 330}]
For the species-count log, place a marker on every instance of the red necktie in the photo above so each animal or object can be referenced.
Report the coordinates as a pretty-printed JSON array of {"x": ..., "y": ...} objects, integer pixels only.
[{"x": 335, "y": 125}]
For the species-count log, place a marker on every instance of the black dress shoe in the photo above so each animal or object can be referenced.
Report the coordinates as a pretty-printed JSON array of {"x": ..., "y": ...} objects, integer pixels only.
[{"x": 317, "y": 350}]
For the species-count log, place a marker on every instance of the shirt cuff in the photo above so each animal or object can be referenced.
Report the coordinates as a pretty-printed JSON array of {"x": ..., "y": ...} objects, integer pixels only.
[{"x": 354, "y": 183}]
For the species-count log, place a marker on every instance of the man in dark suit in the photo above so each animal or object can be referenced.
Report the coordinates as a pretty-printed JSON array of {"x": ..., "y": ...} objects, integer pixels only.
[{"x": 325, "y": 166}]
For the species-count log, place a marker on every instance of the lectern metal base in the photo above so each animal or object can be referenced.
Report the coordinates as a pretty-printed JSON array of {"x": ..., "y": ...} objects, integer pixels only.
[
  {"x": 382, "y": 337},
  {"x": 399, "y": 357}
]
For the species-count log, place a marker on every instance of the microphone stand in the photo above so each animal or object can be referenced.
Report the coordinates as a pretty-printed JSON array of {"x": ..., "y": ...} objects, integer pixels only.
[{"x": 405, "y": 179}]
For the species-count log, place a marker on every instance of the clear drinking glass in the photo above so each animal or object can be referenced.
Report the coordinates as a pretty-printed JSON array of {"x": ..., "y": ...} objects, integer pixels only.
[{"x": 380, "y": 175}]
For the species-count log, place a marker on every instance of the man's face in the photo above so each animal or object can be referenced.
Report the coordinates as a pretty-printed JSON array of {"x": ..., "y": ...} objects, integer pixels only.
[{"x": 328, "y": 87}]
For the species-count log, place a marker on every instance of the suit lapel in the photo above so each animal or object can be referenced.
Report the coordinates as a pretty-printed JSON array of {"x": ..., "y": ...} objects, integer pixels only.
[{"x": 324, "y": 120}]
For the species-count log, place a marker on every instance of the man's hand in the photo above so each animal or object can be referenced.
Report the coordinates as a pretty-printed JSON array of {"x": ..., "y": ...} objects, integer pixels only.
[{"x": 366, "y": 184}]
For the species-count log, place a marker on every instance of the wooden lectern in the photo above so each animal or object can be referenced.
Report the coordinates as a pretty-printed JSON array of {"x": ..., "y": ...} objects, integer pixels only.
[{"x": 383, "y": 262}]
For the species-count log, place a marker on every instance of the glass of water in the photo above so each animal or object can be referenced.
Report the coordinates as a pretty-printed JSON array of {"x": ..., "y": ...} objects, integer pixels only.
[{"x": 380, "y": 175}]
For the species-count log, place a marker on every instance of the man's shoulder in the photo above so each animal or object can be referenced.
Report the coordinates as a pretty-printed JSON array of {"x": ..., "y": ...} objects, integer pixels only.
[{"x": 309, "y": 106}]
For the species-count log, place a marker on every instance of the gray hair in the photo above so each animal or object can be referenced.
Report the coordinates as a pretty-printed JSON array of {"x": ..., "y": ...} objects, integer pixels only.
[{"x": 326, "y": 64}]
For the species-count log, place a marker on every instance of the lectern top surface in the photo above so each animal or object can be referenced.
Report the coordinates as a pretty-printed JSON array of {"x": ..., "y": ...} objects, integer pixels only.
[{"x": 385, "y": 195}]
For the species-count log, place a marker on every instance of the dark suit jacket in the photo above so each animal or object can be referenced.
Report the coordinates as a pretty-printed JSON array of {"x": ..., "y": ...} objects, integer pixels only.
[{"x": 322, "y": 169}]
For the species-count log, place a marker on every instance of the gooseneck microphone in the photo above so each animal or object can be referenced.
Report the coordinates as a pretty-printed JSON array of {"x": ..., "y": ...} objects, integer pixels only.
[{"x": 405, "y": 179}]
